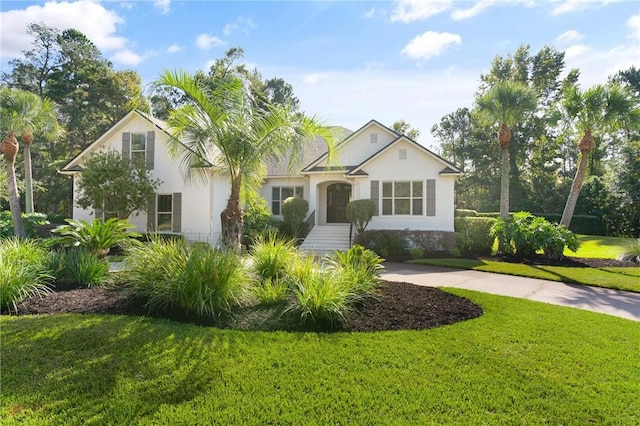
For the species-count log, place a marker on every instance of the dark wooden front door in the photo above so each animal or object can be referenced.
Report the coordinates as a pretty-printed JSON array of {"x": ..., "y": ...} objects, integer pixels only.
[{"x": 338, "y": 196}]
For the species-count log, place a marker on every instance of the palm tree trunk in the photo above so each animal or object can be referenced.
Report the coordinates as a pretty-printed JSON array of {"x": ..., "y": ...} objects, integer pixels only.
[
  {"x": 14, "y": 201},
  {"x": 504, "y": 184},
  {"x": 28, "y": 180},
  {"x": 232, "y": 219},
  {"x": 576, "y": 186}
]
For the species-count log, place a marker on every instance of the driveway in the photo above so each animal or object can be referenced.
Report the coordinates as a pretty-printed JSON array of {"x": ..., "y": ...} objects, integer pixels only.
[{"x": 618, "y": 303}]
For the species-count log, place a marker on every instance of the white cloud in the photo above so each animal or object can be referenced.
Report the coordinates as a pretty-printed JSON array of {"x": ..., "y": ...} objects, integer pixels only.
[
  {"x": 369, "y": 14},
  {"x": 164, "y": 6},
  {"x": 567, "y": 6},
  {"x": 174, "y": 48},
  {"x": 407, "y": 11},
  {"x": 207, "y": 41},
  {"x": 430, "y": 44},
  {"x": 129, "y": 5},
  {"x": 634, "y": 25},
  {"x": 576, "y": 51},
  {"x": 89, "y": 17},
  {"x": 481, "y": 5},
  {"x": 127, "y": 57},
  {"x": 243, "y": 24},
  {"x": 569, "y": 37},
  {"x": 316, "y": 78}
]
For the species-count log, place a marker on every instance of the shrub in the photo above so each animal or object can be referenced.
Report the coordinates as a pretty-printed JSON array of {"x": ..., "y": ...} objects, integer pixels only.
[
  {"x": 23, "y": 271},
  {"x": 78, "y": 267},
  {"x": 524, "y": 234},
  {"x": 465, "y": 213},
  {"x": 200, "y": 279},
  {"x": 31, "y": 222},
  {"x": 631, "y": 252},
  {"x": 97, "y": 237},
  {"x": 272, "y": 256},
  {"x": 258, "y": 221},
  {"x": 294, "y": 210},
  {"x": 360, "y": 213},
  {"x": 474, "y": 235},
  {"x": 271, "y": 291},
  {"x": 388, "y": 243}
]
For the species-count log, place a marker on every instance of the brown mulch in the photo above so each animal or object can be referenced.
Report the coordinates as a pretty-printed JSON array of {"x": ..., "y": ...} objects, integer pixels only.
[
  {"x": 398, "y": 306},
  {"x": 577, "y": 262}
]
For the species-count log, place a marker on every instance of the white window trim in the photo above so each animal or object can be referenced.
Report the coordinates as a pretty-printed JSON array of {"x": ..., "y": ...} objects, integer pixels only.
[
  {"x": 411, "y": 198},
  {"x": 294, "y": 189},
  {"x": 133, "y": 151}
]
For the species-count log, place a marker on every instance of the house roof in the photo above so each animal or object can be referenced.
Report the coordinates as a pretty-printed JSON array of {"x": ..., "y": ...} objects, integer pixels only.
[{"x": 313, "y": 149}]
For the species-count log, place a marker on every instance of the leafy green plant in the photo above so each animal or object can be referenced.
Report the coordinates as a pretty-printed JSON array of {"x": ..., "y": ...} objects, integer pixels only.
[
  {"x": 31, "y": 221},
  {"x": 294, "y": 210},
  {"x": 631, "y": 252},
  {"x": 200, "y": 279},
  {"x": 78, "y": 267},
  {"x": 271, "y": 291},
  {"x": 258, "y": 221},
  {"x": 23, "y": 271},
  {"x": 360, "y": 213},
  {"x": 97, "y": 237},
  {"x": 386, "y": 243},
  {"x": 524, "y": 234},
  {"x": 416, "y": 252},
  {"x": 271, "y": 256}
]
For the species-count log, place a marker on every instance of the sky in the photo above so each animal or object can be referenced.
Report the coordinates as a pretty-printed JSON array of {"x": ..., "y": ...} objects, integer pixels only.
[{"x": 348, "y": 61}]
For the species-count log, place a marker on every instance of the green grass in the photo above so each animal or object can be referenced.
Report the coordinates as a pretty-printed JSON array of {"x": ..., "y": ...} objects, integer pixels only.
[
  {"x": 599, "y": 247},
  {"x": 616, "y": 278},
  {"x": 520, "y": 363}
]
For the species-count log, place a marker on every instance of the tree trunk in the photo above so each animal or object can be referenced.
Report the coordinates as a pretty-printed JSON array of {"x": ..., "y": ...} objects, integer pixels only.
[
  {"x": 232, "y": 220},
  {"x": 14, "y": 201},
  {"x": 576, "y": 186},
  {"x": 504, "y": 184},
  {"x": 28, "y": 180}
]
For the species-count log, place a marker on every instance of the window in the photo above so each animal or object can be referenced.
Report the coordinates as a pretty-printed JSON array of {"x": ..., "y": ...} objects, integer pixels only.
[
  {"x": 373, "y": 138},
  {"x": 164, "y": 213},
  {"x": 281, "y": 193},
  {"x": 402, "y": 198},
  {"x": 138, "y": 148},
  {"x": 402, "y": 154}
]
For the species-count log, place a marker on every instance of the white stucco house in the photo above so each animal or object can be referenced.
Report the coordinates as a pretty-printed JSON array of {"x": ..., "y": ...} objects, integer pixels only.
[{"x": 412, "y": 187}]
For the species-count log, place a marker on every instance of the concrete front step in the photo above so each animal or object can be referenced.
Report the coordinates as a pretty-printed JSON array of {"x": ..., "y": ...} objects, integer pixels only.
[{"x": 325, "y": 239}]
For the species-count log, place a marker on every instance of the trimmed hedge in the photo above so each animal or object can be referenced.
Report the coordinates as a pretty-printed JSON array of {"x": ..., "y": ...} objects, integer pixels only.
[
  {"x": 465, "y": 213},
  {"x": 580, "y": 223},
  {"x": 473, "y": 235},
  {"x": 401, "y": 244}
]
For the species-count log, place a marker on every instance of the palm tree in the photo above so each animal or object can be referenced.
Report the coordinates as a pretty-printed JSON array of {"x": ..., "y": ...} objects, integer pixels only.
[
  {"x": 593, "y": 113},
  {"x": 224, "y": 126},
  {"x": 506, "y": 103},
  {"x": 23, "y": 113}
]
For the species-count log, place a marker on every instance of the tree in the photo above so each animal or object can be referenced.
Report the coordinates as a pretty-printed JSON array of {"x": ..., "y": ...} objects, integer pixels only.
[
  {"x": 506, "y": 103},
  {"x": 404, "y": 128},
  {"x": 592, "y": 114},
  {"x": 23, "y": 113},
  {"x": 113, "y": 186},
  {"x": 223, "y": 124}
]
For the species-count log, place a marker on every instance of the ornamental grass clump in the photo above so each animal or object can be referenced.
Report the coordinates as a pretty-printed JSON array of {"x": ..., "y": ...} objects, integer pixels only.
[
  {"x": 271, "y": 258},
  {"x": 631, "y": 252},
  {"x": 23, "y": 271},
  {"x": 359, "y": 267},
  {"x": 78, "y": 267},
  {"x": 202, "y": 280}
]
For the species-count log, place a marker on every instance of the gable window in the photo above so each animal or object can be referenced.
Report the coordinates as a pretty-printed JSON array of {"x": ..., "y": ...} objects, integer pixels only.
[
  {"x": 164, "y": 213},
  {"x": 402, "y": 198},
  {"x": 138, "y": 148},
  {"x": 281, "y": 193},
  {"x": 402, "y": 154},
  {"x": 373, "y": 138}
]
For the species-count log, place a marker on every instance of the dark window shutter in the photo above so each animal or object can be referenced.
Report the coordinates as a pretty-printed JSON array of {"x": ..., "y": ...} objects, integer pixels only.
[
  {"x": 431, "y": 197},
  {"x": 177, "y": 212},
  {"x": 151, "y": 214},
  {"x": 151, "y": 147},
  {"x": 126, "y": 145},
  {"x": 375, "y": 195}
]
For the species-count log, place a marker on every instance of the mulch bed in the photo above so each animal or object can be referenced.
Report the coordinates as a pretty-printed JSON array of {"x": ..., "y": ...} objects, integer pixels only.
[
  {"x": 576, "y": 262},
  {"x": 399, "y": 306}
]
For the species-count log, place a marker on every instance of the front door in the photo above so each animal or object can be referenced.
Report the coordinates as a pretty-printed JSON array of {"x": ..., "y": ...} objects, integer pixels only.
[{"x": 338, "y": 196}]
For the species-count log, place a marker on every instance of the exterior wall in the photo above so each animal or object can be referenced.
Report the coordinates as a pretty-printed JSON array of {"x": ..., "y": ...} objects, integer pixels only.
[
  {"x": 200, "y": 214},
  {"x": 417, "y": 166},
  {"x": 266, "y": 190}
]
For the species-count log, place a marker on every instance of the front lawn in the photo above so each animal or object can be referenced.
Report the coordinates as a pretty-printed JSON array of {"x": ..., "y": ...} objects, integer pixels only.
[
  {"x": 612, "y": 277},
  {"x": 599, "y": 247},
  {"x": 522, "y": 362}
]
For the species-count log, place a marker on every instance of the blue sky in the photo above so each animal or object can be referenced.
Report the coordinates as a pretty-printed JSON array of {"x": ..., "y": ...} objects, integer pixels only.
[{"x": 348, "y": 61}]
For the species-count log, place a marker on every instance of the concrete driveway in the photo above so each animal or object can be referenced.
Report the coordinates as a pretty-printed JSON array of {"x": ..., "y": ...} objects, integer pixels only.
[{"x": 622, "y": 304}]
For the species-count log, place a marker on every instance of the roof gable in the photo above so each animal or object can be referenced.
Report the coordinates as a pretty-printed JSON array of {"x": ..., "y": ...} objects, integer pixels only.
[{"x": 346, "y": 152}]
